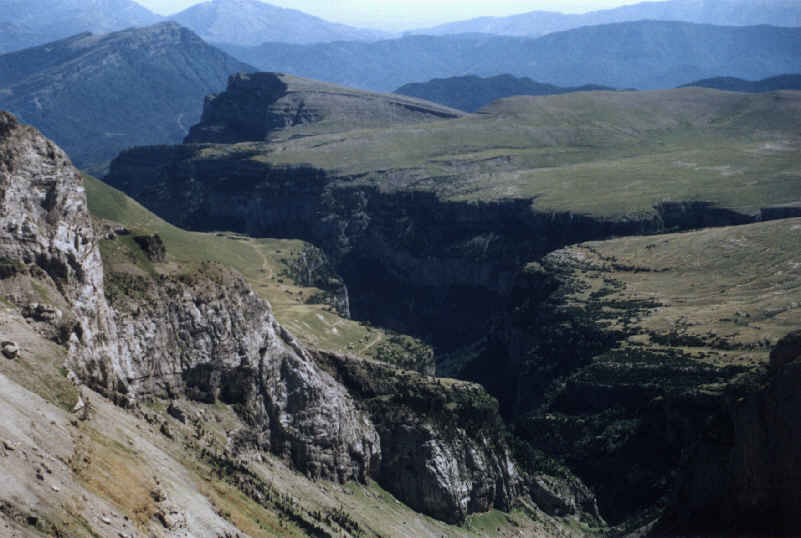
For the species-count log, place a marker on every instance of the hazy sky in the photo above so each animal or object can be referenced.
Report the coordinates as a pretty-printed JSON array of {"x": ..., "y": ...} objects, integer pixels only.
[{"x": 405, "y": 14}]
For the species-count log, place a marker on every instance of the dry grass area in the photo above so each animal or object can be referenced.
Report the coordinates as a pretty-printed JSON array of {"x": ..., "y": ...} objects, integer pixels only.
[
  {"x": 605, "y": 154},
  {"x": 730, "y": 291},
  {"x": 117, "y": 473}
]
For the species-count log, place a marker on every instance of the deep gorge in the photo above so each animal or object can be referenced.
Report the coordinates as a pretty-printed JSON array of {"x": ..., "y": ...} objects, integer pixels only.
[{"x": 452, "y": 274}]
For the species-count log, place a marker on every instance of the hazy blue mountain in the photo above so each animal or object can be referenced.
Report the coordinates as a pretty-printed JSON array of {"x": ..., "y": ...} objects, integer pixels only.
[
  {"x": 383, "y": 65},
  {"x": 732, "y": 84},
  {"x": 643, "y": 55},
  {"x": 251, "y": 22},
  {"x": 25, "y": 23},
  {"x": 470, "y": 93},
  {"x": 14, "y": 36},
  {"x": 96, "y": 95},
  {"x": 719, "y": 12}
]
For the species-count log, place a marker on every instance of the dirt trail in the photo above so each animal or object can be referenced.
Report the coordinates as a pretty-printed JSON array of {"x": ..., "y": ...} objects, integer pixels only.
[{"x": 379, "y": 338}]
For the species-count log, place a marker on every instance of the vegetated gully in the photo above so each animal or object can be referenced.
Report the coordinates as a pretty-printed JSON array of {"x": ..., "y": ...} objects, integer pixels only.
[{"x": 440, "y": 270}]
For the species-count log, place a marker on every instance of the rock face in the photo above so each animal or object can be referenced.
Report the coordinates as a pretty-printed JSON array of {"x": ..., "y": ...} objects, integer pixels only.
[
  {"x": 45, "y": 223},
  {"x": 421, "y": 251},
  {"x": 442, "y": 449},
  {"x": 312, "y": 268},
  {"x": 208, "y": 335},
  {"x": 745, "y": 473},
  {"x": 564, "y": 496},
  {"x": 587, "y": 387},
  {"x": 413, "y": 262},
  {"x": 256, "y": 106}
]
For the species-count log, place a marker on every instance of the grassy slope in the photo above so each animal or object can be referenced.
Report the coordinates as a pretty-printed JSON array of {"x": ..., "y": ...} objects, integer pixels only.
[
  {"x": 726, "y": 294},
  {"x": 600, "y": 153}
]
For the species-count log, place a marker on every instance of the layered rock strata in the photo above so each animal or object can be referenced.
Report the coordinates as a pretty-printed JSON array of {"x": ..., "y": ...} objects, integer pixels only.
[{"x": 45, "y": 224}]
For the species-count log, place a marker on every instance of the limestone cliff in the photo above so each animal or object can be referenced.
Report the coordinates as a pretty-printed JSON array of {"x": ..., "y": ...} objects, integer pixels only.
[
  {"x": 636, "y": 368},
  {"x": 45, "y": 225},
  {"x": 433, "y": 226},
  {"x": 440, "y": 444},
  {"x": 207, "y": 335}
]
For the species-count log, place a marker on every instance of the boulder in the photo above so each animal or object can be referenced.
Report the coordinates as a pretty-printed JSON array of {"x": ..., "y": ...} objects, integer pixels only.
[
  {"x": 564, "y": 496},
  {"x": 42, "y": 312},
  {"x": 10, "y": 349}
]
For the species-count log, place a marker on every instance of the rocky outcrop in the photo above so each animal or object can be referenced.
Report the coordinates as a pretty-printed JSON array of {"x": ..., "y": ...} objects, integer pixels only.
[
  {"x": 564, "y": 495},
  {"x": 256, "y": 106},
  {"x": 152, "y": 246},
  {"x": 207, "y": 335},
  {"x": 45, "y": 225},
  {"x": 443, "y": 448},
  {"x": 743, "y": 476},
  {"x": 311, "y": 267},
  {"x": 619, "y": 416},
  {"x": 9, "y": 349}
]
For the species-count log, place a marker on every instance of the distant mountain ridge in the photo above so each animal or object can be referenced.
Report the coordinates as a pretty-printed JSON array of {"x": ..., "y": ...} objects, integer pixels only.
[
  {"x": 251, "y": 22},
  {"x": 719, "y": 12},
  {"x": 642, "y": 55},
  {"x": 97, "y": 94},
  {"x": 25, "y": 23},
  {"x": 470, "y": 93},
  {"x": 781, "y": 82},
  {"x": 28, "y": 23}
]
